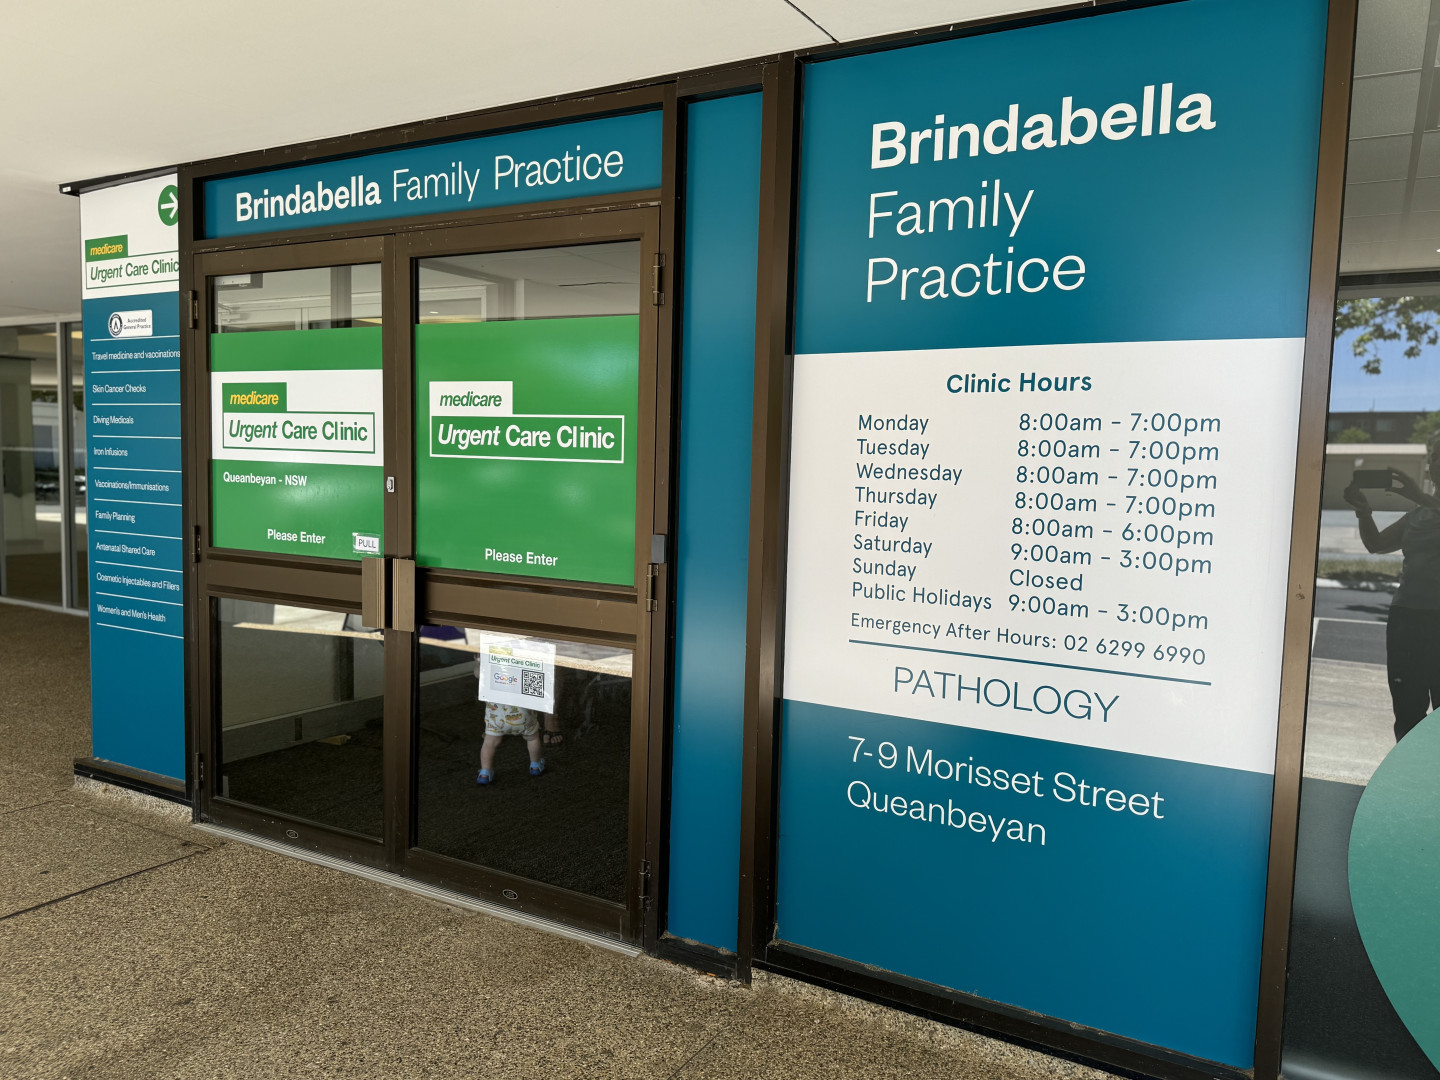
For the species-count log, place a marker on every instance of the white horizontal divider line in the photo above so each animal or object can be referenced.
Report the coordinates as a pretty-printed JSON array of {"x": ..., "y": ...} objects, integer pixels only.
[{"x": 137, "y": 630}]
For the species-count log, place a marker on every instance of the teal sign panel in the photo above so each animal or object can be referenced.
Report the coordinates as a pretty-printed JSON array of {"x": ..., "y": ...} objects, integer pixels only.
[
  {"x": 1142, "y": 176},
  {"x": 565, "y": 161}
]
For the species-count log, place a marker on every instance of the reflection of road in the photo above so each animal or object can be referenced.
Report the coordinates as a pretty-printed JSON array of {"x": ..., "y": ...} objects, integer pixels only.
[
  {"x": 1350, "y": 625},
  {"x": 1349, "y": 727},
  {"x": 1365, "y": 604}
]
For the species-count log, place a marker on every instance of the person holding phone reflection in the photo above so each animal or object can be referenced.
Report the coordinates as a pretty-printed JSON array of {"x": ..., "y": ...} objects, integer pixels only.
[{"x": 1412, "y": 634}]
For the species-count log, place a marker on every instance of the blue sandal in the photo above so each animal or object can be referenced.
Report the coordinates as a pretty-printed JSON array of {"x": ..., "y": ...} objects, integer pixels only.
[
  {"x": 537, "y": 767},
  {"x": 485, "y": 776}
]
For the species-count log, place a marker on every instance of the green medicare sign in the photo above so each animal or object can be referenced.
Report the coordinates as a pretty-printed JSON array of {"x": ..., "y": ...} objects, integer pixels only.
[
  {"x": 297, "y": 455},
  {"x": 525, "y": 447}
]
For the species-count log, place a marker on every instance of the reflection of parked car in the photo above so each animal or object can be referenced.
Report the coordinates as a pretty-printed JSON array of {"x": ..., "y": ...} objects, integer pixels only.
[{"x": 47, "y": 486}]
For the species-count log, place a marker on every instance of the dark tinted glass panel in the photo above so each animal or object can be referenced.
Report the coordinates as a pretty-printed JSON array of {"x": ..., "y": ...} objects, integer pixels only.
[
  {"x": 319, "y": 298},
  {"x": 1392, "y": 178},
  {"x": 296, "y": 412},
  {"x": 1358, "y": 954},
  {"x": 554, "y": 805},
  {"x": 527, "y": 422},
  {"x": 1374, "y": 678},
  {"x": 301, "y": 711},
  {"x": 30, "y": 459},
  {"x": 543, "y": 283},
  {"x": 80, "y": 487}
]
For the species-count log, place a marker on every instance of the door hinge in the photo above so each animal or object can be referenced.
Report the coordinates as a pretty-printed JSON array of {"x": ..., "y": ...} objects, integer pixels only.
[
  {"x": 199, "y": 771},
  {"x": 195, "y": 545},
  {"x": 193, "y": 308},
  {"x": 652, "y": 571},
  {"x": 657, "y": 280},
  {"x": 645, "y": 897}
]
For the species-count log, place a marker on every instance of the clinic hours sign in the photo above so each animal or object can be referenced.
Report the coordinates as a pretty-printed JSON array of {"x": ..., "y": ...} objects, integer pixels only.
[{"x": 1042, "y": 468}]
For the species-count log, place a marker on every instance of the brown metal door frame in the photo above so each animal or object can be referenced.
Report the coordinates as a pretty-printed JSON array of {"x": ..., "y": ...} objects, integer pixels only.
[
  {"x": 582, "y": 611},
  {"x": 585, "y": 612},
  {"x": 217, "y": 573}
]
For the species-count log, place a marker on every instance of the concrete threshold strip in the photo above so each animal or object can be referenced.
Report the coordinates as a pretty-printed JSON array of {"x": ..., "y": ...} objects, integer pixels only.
[{"x": 429, "y": 892}]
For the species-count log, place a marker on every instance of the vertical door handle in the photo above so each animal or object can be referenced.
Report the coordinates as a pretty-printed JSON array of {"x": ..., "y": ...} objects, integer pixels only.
[
  {"x": 387, "y": 594},
  {"x": 375, "y": 593},
  {"x": 402, "y": 594}
]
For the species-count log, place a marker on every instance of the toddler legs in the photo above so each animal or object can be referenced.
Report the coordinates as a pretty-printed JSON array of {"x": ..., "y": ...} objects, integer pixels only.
[{"x": 487, "y": 751}]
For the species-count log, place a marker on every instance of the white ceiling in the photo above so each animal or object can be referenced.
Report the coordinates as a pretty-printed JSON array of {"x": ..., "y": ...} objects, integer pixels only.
[{"x": 95, "y": 88}]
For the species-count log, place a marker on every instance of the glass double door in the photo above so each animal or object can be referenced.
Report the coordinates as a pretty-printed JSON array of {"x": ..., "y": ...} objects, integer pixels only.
[{"x": 430, "y": 556}]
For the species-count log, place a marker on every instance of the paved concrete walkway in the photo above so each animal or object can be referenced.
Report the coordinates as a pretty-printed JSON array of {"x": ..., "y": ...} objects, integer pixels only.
[{"x": 135, "y": 946}]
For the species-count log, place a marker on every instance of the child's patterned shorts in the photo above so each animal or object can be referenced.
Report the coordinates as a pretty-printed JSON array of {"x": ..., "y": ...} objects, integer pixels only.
[{"x": 511, "y": 720}]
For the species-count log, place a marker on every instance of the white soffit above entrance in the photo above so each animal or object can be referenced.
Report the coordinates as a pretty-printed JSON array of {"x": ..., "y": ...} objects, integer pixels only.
[
  {"x": 94, "y": 89},
  {"x": 848, "y": 20}
]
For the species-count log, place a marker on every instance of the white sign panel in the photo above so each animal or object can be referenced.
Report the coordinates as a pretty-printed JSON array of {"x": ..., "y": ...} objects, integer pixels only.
[
  {"x": 322, "y": 417},
  {"x": 130, "y": 242},
  {"x": 517, "y": 671},
  {"x": 1069, "y": 542}
]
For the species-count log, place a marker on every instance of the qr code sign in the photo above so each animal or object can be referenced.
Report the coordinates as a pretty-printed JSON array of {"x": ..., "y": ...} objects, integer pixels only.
[{"x": 532, "y": 683}]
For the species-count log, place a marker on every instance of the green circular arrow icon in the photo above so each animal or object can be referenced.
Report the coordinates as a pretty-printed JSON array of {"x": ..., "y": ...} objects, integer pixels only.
[{"x": 169, "y": 206}]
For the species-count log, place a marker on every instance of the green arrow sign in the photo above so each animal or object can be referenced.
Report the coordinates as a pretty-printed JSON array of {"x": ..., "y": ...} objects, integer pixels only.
[{"x": 169, "y": 206}]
